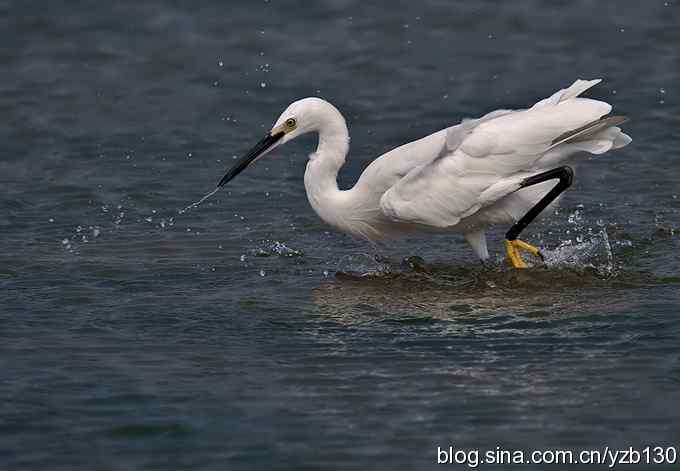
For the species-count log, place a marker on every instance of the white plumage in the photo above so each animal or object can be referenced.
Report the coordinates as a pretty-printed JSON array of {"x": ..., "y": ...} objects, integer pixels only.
[{"x": 461, "y": 179}]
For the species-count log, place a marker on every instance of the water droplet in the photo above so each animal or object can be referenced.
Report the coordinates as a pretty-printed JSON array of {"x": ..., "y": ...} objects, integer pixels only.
[
  {"x": 243, "y": 258},
  {"x": 262, "y": 273},
  {"x": 197, "y": 203},
  {"x": 263, "y": 85},
  {"x": 51, "y": 219},
  {"x": 220, "y": 63}
]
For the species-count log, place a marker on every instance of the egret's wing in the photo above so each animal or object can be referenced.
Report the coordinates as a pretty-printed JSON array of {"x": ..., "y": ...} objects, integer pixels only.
[
  {"x": 444, "y": 192},
  {"x": 486, "y": 159},
  {"x": 385, "y": 171}
]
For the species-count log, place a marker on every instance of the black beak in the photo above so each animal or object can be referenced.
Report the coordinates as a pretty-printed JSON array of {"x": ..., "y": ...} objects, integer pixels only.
[{"x": 259, "y": 149}]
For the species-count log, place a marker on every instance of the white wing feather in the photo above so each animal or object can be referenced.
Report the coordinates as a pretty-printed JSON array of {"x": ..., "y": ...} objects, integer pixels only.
[{"x": 486, "y": 159}]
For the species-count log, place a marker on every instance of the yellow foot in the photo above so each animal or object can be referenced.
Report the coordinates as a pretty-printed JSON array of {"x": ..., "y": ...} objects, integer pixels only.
[{"x": 512, "y": 248}]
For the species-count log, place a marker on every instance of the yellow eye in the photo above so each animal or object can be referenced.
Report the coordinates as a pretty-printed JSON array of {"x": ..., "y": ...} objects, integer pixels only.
[{"x": 291, "y": 123}]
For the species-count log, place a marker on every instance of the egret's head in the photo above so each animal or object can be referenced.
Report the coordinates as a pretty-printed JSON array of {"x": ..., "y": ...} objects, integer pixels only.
[{"x": 299, "y": 118}]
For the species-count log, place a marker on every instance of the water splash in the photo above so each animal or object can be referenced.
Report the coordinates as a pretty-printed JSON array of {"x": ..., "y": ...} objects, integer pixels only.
[
  {"x": 364, "y": 265},
  {"x": 80, "y": 235},
  {"x": 594, "y": 252},
  {"x": 119, "y": 214},
  {"x": 199, "y": 202},
  {"x": 274, "y": 247}
]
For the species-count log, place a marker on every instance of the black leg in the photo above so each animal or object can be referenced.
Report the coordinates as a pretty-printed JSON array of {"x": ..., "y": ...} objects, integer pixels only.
[{"x": 564, "y": 174}]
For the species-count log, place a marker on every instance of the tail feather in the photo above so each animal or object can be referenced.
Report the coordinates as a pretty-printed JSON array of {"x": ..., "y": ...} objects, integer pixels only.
[
  {"x": 574, "y": 90},
  {"x": 578, "y": 87},
  {"x": 588, "y": 130},
  {"x": 621, "y": 139}
]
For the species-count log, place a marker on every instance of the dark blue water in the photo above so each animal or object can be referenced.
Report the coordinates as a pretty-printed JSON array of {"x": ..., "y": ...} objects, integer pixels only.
[{"x": 243, "y": 334}]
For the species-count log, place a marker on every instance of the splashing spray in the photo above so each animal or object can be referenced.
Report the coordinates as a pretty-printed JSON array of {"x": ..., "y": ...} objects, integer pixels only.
[{"x": 196, "y": 204}]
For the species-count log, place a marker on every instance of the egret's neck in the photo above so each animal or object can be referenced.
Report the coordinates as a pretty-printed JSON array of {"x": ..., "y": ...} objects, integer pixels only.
[
  {"x": 346, "y": 210},
  {"x": 323, "y": 166}
]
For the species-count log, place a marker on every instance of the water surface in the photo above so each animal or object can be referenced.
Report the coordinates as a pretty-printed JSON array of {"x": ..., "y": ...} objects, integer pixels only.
[{"x": 246, "y": 334}]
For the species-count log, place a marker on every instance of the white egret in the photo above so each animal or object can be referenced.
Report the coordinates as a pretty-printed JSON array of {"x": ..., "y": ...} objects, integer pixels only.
[{"x": 496, "y": 169}]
